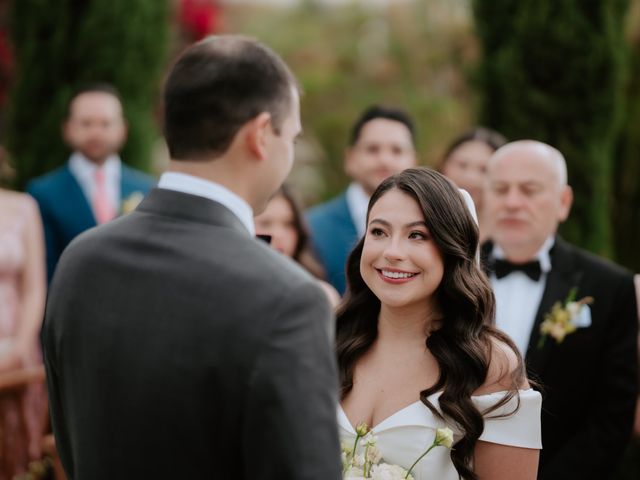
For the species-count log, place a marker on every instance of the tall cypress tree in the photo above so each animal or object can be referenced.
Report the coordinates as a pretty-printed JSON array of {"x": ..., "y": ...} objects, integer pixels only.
[
  {"x": 626, "y": 191},
  {"x": 554, "y": 71},
  {"x": 62, "y": 45}
]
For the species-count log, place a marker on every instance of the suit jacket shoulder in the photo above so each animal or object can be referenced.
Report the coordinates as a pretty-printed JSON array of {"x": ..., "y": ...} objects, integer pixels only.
[
  {"x": 49, "y": 184},
  {"x": 333, "y": 235},
  {"x": 571, "y": 256},
  {"x": 135, "y": 180}
]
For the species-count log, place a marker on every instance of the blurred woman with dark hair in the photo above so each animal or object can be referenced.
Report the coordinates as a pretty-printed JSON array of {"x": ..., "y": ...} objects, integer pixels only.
[
  {"x": 465, "y": 162},
  {"x": 283, "y": 222},
  {"x": 416, "y": 345}
]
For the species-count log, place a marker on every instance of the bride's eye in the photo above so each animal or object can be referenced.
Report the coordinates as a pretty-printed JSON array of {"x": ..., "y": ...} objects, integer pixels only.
[
  {"x": 376, "y": 232},
  {"x": 416, "y": 235}
]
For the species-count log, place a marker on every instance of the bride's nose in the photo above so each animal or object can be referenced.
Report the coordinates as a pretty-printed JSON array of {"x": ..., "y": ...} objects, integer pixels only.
[{"x": 394, "y": 250}]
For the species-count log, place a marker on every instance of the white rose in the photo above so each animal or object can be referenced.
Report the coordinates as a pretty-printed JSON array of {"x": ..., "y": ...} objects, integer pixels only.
[
  {"x": 384, "y": 471},
  {"x": 358, "y": 460},
  {"x": 444, "y": 437},
  {"x": 373, "y": 454},
  {"x": 353, "y": 473}
]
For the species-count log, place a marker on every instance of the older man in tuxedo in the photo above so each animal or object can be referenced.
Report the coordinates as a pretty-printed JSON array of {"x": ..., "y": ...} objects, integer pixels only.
[
  {"x": 177, "y": 345},
  {"x": 587, "y": 370}
]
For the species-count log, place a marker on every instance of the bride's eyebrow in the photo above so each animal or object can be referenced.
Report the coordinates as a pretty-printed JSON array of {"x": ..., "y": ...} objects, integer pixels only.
[
  {"x": 419, "y": 223},
  {"x": 380, "y": 221}
]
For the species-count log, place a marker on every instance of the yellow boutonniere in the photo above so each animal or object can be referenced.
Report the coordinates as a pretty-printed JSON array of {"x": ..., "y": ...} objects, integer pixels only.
[
  {"x": 130, "y": 203},
  {"x": 561, "y": 320}
]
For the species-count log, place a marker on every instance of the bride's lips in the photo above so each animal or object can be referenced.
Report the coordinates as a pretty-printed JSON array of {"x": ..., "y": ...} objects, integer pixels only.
[{"x": 395, "y": 276}]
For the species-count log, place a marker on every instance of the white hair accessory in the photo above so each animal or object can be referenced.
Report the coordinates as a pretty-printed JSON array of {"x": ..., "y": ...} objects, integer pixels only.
[{"x": 472, "y": 210}]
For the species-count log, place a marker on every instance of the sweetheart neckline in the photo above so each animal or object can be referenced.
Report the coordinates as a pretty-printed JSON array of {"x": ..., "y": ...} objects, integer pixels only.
[
  {"x": 353, "y": 429},
  {"x": 435, "y": 394}
]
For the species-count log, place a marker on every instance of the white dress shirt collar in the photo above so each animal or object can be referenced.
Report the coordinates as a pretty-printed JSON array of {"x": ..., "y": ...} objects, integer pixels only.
[
  {"x": 84, "y": 171},
  {"x": 518, "y": 297},
  {"x": 358, "y": 202},
  {"x": 185, "y": 183}
]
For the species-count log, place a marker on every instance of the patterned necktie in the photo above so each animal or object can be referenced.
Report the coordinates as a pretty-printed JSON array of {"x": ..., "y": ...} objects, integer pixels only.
[
  {"x": 502, "y": 268},
  {"x": 102, "y": 207}
]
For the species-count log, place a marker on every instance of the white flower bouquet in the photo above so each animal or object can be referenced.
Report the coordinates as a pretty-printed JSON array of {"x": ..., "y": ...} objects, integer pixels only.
[{"x": 362, "y": 460}]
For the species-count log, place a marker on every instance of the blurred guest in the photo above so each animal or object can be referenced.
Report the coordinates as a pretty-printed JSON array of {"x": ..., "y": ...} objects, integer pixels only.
[
  {"x": 382, "y": 143},
  {"x": 22, "y": 293},
  {"x": 465, "y": 162},
  {"x": 94, "y": 186},
  {"x": 283, "y": 222},
  {"x": 572, "y": 314}
]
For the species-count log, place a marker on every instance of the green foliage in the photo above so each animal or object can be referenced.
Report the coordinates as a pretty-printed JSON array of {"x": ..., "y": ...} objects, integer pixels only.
[
  {"x": 626, "y": 190},
  {"x": 410, "y": 54},
  {"x": 554, "y": 71},
  {"x": 65, "y": 44}
]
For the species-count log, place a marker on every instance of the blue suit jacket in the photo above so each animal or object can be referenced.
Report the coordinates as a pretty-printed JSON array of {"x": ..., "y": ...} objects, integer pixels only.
[
  {"x": 334, "y": 235},
  {"x": 65, "y": 210}
]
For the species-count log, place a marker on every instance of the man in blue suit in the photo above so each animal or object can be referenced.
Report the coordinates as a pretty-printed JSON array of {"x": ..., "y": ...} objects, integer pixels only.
[
  {"x": 382, "y": 143},
  {"x": 94, "y": 186}
]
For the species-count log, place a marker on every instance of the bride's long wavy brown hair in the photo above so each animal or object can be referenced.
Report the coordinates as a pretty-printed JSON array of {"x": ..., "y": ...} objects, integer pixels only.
[{"x": 462, "y": 345}]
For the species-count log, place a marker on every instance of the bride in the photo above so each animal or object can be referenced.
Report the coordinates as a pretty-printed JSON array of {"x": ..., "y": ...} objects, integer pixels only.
[{"x": 416, "y": 347}]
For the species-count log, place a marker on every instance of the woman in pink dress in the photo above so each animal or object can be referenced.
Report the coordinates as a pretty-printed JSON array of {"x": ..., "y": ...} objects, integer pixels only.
[{"x": 22, "y": 295}]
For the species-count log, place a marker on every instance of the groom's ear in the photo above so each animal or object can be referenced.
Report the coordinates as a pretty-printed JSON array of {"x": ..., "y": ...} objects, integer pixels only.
[{"x": 256, "y": 135}]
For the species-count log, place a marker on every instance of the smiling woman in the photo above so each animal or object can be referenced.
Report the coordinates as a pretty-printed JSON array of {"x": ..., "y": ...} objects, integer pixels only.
[
  {"x": 415, "y": 343},
  {"x": 399, "y": 251}
]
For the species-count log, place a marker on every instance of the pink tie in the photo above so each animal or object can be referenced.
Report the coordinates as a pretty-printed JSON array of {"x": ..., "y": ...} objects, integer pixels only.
[{"x": 101, "y": 205}]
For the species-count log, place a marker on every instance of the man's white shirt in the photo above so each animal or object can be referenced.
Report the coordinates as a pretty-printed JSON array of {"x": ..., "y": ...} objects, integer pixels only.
[
  {"x": 518, "y": 297},
  {"x": 358, "y": 202},
  {"x": 182, "y": 182}
]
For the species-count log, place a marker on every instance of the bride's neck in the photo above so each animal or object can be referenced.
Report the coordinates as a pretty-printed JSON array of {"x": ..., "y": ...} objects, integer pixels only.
[{"x": 404, "y": 324}]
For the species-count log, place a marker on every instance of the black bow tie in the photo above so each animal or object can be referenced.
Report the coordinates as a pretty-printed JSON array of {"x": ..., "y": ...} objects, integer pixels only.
[{"x": 502, "y": 268}]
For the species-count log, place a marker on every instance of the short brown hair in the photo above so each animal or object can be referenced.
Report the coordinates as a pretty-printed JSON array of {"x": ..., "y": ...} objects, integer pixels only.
[{"x": 215, "y": 87}]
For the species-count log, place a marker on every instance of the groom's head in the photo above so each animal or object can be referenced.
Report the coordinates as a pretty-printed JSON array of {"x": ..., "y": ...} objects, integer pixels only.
[{"x": 232, "y": 100}]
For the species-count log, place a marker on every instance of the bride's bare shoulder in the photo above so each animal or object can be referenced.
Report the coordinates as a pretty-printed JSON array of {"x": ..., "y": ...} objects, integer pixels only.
[{"x": 506, "y": 371}]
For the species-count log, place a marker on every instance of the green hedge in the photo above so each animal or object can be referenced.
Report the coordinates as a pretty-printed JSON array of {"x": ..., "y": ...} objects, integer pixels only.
[
  {"x": 63, "y": 44},
  {"x": 555, "y": 71}
]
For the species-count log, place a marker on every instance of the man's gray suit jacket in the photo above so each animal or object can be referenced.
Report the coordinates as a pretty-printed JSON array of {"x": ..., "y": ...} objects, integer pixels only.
[{"x": 177, "y": 346}]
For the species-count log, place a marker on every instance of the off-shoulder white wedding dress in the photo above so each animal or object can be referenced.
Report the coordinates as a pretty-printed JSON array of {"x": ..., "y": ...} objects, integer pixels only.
[{"x": 406, "y": 434}]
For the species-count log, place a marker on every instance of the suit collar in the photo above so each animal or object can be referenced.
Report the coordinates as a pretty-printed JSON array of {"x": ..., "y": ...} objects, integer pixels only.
[
  {"x": 184, "y": 206},
  {"x": 185, "y": 183}
]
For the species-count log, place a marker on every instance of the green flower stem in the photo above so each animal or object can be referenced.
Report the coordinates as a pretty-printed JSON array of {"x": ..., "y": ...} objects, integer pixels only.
[
  {"x": 366, "y": 462},
  {"x": 434, "y": 444},
  {"x": 353, "y": 453}
]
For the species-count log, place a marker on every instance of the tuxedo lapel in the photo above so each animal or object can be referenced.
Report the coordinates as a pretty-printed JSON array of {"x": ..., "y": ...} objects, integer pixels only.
[{"x": 560, "y": 280}]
